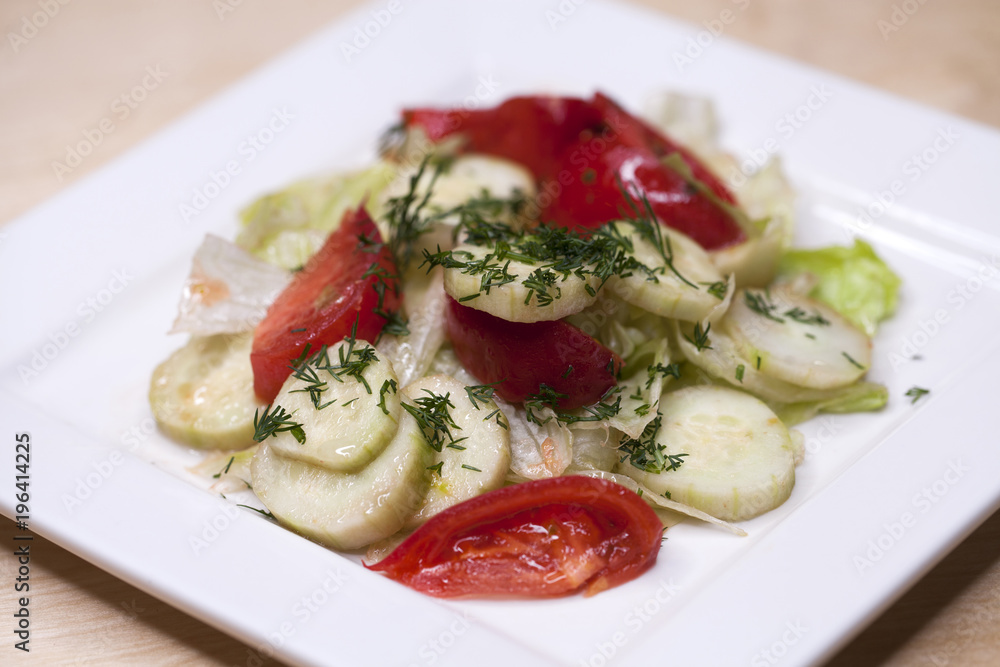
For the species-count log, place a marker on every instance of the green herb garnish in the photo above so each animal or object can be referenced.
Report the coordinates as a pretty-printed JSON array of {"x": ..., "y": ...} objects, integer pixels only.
[
  {"x": 916, "y": 393},
  {"x": 276, "y": 421}
]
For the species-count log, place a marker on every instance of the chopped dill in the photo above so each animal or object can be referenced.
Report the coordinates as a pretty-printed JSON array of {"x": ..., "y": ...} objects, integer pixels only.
[{"x": 276, "y": 421}]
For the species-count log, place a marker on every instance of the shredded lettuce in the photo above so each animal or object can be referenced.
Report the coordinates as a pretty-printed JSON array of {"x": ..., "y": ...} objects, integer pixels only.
[
  {"x": 854, "y": 281},
  {"x": 228, "y": 290},
  {"x": 285, "y": 228},
  {"x": 413, "y": 354}
]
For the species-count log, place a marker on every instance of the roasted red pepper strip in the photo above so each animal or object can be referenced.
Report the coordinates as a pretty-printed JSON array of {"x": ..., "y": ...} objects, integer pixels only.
[
  {"x": 324, "y": 300},
  {"x": 523, "y": 356},
  {"x": 544, "y": 538},
  {"x": 581, "y": 152}
]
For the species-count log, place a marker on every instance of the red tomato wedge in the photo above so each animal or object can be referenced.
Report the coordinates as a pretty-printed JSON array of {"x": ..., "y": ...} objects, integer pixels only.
[
  {"x": 637, "y": 132},
  {"x": 523, "y": 356},
  {"x": 544, "y": 538},
  {"x": 533, "y": 131},
  {"x": 324, "y": 300},
  {"x": 580, "y": 151}
]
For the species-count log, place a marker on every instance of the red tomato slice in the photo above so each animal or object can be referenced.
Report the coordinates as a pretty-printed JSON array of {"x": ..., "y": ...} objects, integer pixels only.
[
  {"x": 594, "y": 197},
  {"x": 637, "y": 132},
  {"x": 523, "y": 356},
  {"x": 533, "y": 131},
  {"x": 324, "y": 300},
  {"x": 544, "y": 538},
  {"x": 578, "y": 150}
]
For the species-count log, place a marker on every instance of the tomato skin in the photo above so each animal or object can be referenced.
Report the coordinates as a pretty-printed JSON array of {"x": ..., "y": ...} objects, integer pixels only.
[
  {"x": 588, "y": 202},
  {"x": 324, "y": 300},
  {"x": 533, "y": 131},
  {"x": 637, "y": 132},
  {"x": 578, "y": 150},
  {"x": 522, "y": 356},
  {"x": 545, "y": 538}
]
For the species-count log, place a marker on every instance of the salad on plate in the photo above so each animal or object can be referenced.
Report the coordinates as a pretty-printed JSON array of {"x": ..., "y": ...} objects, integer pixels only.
[{"x": 503, "y": 358}]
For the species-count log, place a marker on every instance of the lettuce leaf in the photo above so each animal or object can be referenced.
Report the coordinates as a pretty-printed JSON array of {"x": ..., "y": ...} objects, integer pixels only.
[
  {"x": 286, "y": 227},
  {"x": 858, "y": 397},
  {"x": 854, "y": 281},
  {"x": 228, "y": 290}
]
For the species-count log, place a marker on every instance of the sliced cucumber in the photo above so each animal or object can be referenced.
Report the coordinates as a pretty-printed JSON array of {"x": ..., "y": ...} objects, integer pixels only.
[
  {"x": 740, "y": 458},
  {"x": 203, "y": 394},
  {"x": 723, "y": 362},
  {"x": 466, "y": 177},
  {"x": 514, "y": 301},
  {"x": 673, "y": 512},
  {"x": 347, "y": 422},
  {"x": 347, "y": 510},
  {"x": 681, "y": 292},
  {"x": 797, "y": 339},
  {"x": 472, "y": 174},
  {"x": 482, "y": 462}
]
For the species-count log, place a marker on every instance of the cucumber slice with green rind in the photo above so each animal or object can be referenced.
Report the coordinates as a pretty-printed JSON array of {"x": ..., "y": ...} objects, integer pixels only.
[
  {"x": 203, "y": 393},
  {"x": 484, "y": 438},
  {"x": 680, "y": 292},
  {"x": 515, "y": 301},
  {"x": 347, "y": 510},
  {"x": 740, "y": 460},
  {"x": 720, "y": 358},
  {"x": 797, "y": 339},
  {"x": 355, "y": 420}
]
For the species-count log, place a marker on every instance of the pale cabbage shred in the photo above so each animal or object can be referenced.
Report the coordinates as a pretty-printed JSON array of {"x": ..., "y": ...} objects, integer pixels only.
[{"x": 287, "y": 227}]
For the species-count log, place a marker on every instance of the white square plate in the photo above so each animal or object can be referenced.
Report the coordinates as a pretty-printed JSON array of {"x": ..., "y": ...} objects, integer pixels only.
[{"x": 91, "y": 278}]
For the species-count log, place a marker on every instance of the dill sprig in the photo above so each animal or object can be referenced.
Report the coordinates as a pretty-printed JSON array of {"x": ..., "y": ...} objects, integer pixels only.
[
  {"x": 274, "y": 421},
  {"x": 672, "y": 370},
  {"x": 263, "y": 513},
  {"x": 555, "y": 253},
  {"x": 717, "y": 289},
  {"x": 916, "y": 393},
  {"x": 353, "y": 360},
  {"x": 395, "y": 323},
  {"x": 314, "y": 386},
  {"x": 803, "y": 317},
  {"x": 645, "y": 453},
  {"x": 405, "y": 213},
  {"x": 547, "y": 397},
  {"x": 433, "y": 416},
  {"x": 758, "y": 302},
  {"x": 388, "y": 387},
  {"x": 648, "y": 227},
  {"x": 480, "y": 394},
  {"x": 225, "y": 470},
  {"x": 853, "y": 361},
  {"x": 699, "y": 337}
]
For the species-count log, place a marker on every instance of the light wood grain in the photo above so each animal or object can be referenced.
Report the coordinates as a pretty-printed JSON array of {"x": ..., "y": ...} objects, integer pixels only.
[{"x": 64, "y": 80}]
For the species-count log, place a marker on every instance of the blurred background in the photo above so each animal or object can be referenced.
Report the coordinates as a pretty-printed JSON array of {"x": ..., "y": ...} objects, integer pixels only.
[{"x": 62, "y": 63}]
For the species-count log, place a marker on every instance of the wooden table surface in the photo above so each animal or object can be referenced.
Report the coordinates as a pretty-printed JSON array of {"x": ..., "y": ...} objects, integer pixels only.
[{"x": 61, "y": 78}]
